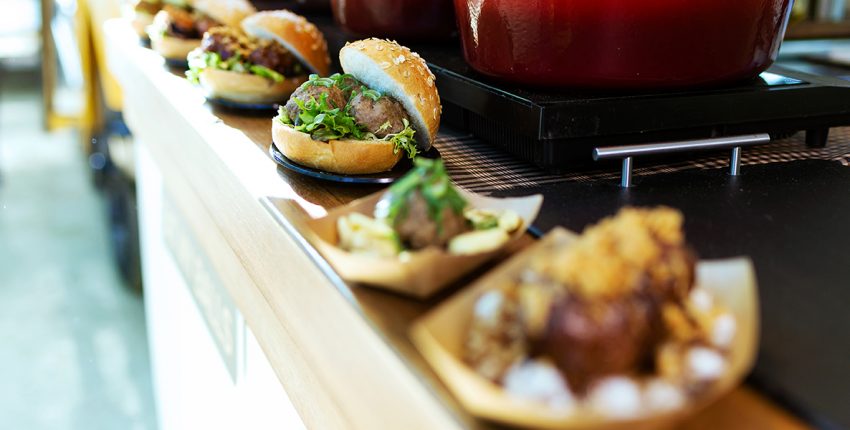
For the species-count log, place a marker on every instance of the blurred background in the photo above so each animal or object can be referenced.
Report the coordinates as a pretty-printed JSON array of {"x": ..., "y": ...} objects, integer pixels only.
[
  {"x": 74, "y": 350},
  {"x": 72, "y": 319}
]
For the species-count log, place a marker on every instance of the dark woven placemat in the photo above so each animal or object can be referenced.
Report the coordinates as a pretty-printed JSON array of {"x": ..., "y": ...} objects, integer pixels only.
[{"x": 478, "y": 166}]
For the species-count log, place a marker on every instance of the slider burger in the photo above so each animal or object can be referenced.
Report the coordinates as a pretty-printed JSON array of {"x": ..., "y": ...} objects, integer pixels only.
[
  {"x": 263, "y": 60},
  {"x": 385, "y": 106},
  {"x": 178, "y": 27}
]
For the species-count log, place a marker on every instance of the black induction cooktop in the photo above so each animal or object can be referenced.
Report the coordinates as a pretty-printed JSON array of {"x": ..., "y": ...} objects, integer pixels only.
[{"x": 558, "y": 129}]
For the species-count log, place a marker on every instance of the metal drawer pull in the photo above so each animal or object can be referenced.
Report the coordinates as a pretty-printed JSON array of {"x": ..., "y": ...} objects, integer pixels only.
[{"x": 626, "y": 152}]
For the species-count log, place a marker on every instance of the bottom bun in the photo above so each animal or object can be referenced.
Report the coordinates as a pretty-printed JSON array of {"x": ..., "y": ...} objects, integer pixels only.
[
  {"x": 173, "y": 48},
  {"x": 245, "y": 87},
  {"x": 347, "y": 156}
]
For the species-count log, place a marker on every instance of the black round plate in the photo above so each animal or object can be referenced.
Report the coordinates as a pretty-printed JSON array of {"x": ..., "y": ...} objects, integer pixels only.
[
  {"x": 376, "y": 178},
  {"x": 244, "y": 106},
  {"x": 177, "y": 63}
]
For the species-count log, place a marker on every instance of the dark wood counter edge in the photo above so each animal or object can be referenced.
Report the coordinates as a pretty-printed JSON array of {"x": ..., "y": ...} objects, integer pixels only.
[{"x": 366, "y": 301}]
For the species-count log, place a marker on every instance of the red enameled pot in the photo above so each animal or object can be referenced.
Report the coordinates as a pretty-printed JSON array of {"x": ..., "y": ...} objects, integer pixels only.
[{"x": 621, "y": 43}]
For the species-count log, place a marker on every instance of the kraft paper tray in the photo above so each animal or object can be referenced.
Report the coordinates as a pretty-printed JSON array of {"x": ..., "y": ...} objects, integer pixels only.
[
  {"x": 420, "y": 273},
  {"x": 440, "y": 334}
]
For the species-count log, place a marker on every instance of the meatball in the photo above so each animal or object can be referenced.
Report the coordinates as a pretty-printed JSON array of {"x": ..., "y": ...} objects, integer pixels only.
[
  {"x": 381, "y": 117},
  {"x": 309, "y": 91},
  {"x": 416, "y": 228},
  {"x": 592, "y": 339},
  {"x": 223, "y": 41},
  {"x": 274, "y": 56}
]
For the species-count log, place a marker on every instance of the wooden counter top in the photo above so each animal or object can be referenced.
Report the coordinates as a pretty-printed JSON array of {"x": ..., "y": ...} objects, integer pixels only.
[{"x": 340, "y": 351}]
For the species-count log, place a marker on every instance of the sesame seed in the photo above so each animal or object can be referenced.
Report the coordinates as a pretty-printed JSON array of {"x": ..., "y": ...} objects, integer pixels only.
[
  {"x": 379, "y": 47},
  {"x": 385, "y": 65}
]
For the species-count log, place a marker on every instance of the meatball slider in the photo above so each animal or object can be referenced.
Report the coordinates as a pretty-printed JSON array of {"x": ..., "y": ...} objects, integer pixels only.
[
  {"x": 178, "y": 27},
  {"x": 265, "y": 62},
  {"x": 364, "y": 121}
]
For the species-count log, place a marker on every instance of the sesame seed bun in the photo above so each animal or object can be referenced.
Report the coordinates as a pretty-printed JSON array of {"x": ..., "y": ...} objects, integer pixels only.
[
  {"x": 295, "y": 33},
  {"x": 227, "y": 12},
  {"x": 246, "y": 87},
  {"x": 346, "y": 156},
  {"x": 395, "y": 70}
]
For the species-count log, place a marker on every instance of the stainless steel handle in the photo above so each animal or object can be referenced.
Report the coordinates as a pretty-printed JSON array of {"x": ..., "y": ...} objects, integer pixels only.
[{"x": 626, "y": 152}]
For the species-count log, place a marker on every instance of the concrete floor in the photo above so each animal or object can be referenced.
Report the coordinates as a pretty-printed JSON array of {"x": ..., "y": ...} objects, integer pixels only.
[{"x": 73, "y": 347}]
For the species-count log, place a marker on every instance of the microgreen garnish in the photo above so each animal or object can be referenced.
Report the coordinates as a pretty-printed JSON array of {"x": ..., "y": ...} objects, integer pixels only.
[
  {"x": 340, "y": 80},
  {"x": 370, "y": 93},
  {"x": 430, "y": 179},
  {"x": 315, "y": 80}
]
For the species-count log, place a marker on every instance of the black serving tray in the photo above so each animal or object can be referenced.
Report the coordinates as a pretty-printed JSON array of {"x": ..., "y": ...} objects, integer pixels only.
[{"x": 381, "y": 178}]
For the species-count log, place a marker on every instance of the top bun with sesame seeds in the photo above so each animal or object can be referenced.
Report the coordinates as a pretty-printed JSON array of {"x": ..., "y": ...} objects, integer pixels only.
[
  {"x": 396, "y": 71},
  {"x": 295, "y": 33},
  {"x": 227, "y": 12}
]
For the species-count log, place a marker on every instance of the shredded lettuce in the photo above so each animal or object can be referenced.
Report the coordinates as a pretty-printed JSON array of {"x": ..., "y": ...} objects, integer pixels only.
[
  {"x": 404, "y": 140},
  {"x": 266, "y": 73},
  {"x": 322, "y": 121},
  {"x": 200, "y": 60}
]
